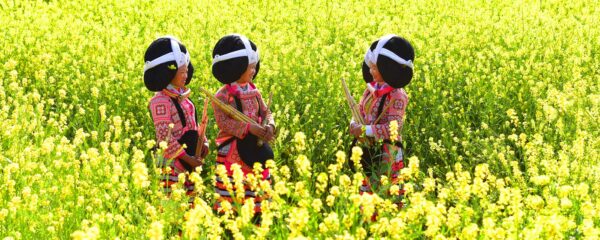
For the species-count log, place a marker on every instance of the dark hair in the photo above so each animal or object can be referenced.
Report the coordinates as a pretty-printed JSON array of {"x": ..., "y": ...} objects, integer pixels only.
[
  {"x": 393, "y": 73},
  {"x": 159, "y": 77},
  {"x": 231, "y": 70}
]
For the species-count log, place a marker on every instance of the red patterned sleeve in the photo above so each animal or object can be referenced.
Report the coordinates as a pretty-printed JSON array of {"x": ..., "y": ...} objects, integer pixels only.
[
  {"x": 399, "y": 99},
  {"x": 161, "y": 115},
  {"x": 226, "y": 123}
]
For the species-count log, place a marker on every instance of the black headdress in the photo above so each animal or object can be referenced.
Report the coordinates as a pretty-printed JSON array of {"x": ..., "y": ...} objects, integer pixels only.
[
  {"x": 231, "y": 56},
  {"x": 162, "y": 59},
  {"x": 394, "y": 58}
]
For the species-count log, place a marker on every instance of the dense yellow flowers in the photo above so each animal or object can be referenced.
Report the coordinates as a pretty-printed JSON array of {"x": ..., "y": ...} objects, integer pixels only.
[{"x": 501, "y": 133}]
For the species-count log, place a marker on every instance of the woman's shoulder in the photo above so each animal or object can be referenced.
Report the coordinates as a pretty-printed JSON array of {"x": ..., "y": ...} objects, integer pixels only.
[
  {"x": 222, "y": 92},
  {"x": 159, "y": 98},
  {"x": 399, "y": 93},
  {"x": 252, "y": 93}
]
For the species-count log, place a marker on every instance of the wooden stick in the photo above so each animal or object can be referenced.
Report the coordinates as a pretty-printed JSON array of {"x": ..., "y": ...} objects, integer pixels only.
[
  {"x": 202, "y": 128},
  {"x": 228, "y": 109},
  {"x": 352, "y": 104},
  {"x": 354, "y": 109},
  {"x": 264, "y": 123}
]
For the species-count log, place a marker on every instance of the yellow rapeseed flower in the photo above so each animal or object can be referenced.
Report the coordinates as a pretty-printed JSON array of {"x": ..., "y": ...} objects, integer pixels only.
[
  {"x": 330, "y": 200},
  {"x": 140, "y": 175},
  {"x": 299, "y": 141},
  {"x": 155, "y": 232},
  {"x": 303, "y": 165},
  {"x": 356, "y": 156},
  {"x": 321, "y": 182},
  {"x": 470, "y": 231},
  {"x": 395, "y": 190},
  {"x": 340, "y": 158},
  {"x": 394, "y": 130}
]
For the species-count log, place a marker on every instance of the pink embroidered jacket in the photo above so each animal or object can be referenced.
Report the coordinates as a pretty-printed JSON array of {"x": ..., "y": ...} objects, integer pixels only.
[
  {"x": 164, "y": 112},
  {"x": 369, "y": 105},
  {"x": 229, "y": 127}
]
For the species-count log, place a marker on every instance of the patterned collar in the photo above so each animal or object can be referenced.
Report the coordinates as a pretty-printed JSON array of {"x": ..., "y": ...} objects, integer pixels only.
[
  {"x": 180, "y": 94},
  {"x": 236, "y": 89},
  {"x": 379, "y": 89}
]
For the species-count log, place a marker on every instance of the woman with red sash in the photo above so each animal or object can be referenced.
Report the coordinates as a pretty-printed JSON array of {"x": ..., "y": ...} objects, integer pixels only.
[
  {"x": 387, "y": 68},
  {"x": 235, "y": 64}
]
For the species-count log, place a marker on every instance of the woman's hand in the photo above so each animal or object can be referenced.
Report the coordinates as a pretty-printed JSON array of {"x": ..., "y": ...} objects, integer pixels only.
[
  {"x": 192, "y": 160},
  {"x": 203, "y": 151},
  {"x": 269, "y": 133},
  {"x": 356, "y": 130},
  {"x": 257, "y": 130}
]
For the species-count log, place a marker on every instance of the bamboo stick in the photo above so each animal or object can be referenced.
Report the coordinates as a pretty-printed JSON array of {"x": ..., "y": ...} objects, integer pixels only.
[
  {"x": 264, "y": 123},
  {"x": 202, "y": 128},
  {"x": 352, "y": 104},
  {"x": 354, "y": 110},
  {"x": 228, "y": 109}
]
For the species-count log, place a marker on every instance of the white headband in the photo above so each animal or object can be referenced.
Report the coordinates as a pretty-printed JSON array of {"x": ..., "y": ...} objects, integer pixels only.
[
  {"x": 175, "y": 55},
  {"x": 246, "y": 52},
  {"x": 371, "y": 56}
]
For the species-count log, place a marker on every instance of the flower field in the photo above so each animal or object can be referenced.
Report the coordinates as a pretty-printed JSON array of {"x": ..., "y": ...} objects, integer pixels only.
[{"x": 502, "y": 132}]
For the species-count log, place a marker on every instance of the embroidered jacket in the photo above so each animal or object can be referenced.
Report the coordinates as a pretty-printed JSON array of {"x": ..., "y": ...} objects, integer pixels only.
[
  {"x": 369, "y": 106},
  {"x": 251, "y": 100},
  {"x": 164, "y": 113}
]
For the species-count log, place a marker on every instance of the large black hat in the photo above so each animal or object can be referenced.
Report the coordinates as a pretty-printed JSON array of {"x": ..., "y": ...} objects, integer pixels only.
[
  {"x": 231, "y": 56},
  {"x": 394, "y": 58},
  {"x": 162, "y": 59}
]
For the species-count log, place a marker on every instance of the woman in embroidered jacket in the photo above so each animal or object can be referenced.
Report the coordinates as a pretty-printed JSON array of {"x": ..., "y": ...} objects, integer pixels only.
[
  {"x": 387, "y": 68},
  {"x": 235, "y": 64},
  {"x": 167, "y": 71}
]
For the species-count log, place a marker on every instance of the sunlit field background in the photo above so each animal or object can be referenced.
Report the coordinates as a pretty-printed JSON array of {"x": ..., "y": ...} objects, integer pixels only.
[{"x": 501, "y": 132}]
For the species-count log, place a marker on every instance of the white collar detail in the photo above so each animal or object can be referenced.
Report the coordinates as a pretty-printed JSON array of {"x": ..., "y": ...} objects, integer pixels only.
[
  {"x": 247, "y": 87},
  {"x": 180, "y": 91}
]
